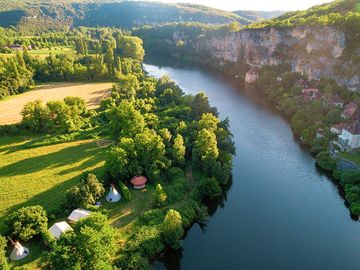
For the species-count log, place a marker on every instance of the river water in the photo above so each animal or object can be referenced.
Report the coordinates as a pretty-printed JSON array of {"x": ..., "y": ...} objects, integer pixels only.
[{"x": 281, "y": 212}]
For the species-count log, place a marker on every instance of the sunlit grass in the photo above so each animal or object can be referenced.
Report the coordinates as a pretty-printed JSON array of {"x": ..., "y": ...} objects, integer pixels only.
[{"x": 42, "y": 175}]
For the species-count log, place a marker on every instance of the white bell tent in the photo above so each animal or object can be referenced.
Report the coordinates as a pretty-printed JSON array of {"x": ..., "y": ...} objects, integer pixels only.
[
  {"x": 78, "y": 214},
  {"x": 59, "y": 228},
  {"x": 19, "y": 252},
  {"x": 113, "y": 195}
]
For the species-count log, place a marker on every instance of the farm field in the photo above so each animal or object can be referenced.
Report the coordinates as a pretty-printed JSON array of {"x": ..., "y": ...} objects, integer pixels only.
[
  {"x": 42, "y": 175},
  {"x": 92, "y": 92}
]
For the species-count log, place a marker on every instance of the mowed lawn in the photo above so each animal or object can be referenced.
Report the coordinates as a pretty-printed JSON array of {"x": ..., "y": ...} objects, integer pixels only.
[
  {"x": 11, "y": 108},
  {"x": 42, "y": 175}
]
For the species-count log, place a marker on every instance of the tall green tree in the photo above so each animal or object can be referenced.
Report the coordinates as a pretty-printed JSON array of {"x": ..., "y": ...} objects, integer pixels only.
[{"x": 172, "y": 229}]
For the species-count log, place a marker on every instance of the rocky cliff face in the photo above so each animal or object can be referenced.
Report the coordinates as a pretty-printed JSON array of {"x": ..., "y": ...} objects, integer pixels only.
[{"x": 316, "y": 52}]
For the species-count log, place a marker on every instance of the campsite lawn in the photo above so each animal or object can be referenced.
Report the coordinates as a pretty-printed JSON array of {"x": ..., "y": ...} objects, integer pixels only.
[{"x": 42, "y": 175}]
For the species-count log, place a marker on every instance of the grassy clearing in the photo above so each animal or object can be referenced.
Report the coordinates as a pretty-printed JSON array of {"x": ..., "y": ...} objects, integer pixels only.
[
  {"x": 42, "y": 53},
  {"x": 42, "y": 175},
  {"x": 92, "y": 93},
  {"x": 354, "y": 157}
]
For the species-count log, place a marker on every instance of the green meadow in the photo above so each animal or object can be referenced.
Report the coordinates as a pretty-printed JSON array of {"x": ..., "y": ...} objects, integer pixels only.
[{"x": 42, "y": 175}]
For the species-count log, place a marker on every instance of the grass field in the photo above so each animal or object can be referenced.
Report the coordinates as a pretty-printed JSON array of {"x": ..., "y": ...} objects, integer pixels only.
[
  {"x": 92, "y": 92},
  {"x": 42, "y": 53},
  {"x": 354, "y": 157},
  {"x": 42, "y": 175}
]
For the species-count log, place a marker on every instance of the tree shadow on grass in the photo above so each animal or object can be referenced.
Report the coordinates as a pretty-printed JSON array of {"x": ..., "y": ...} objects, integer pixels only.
[
  {"x": 60, "y": 158},
  {"x": 51, "y": 199}
]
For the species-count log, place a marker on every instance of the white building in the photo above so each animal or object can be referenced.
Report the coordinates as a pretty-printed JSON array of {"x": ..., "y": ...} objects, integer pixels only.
[
  {"x": 251, "y": 76},
  {"x": 349, "y": 139}
]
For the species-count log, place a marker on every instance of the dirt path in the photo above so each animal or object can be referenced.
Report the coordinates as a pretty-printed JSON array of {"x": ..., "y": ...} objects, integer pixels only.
[{"x": 10, "y": 109}]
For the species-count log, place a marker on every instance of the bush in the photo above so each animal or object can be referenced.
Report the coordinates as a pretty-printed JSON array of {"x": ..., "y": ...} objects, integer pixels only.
[
  {"x": 27, "y": 222},
  {"x": 153, "y": 217},
  {"x": 146, "y": 241},
  {"x": 355, "y": 208},
  {"x": 160, "y": 196},
  {"x": 3, "y": 260},
  {"x": 209, "y": 188},
  {"x": 125, "y": 191},
  {"x": 325, "y": 161},
  {"x": 86, "y": 193}
]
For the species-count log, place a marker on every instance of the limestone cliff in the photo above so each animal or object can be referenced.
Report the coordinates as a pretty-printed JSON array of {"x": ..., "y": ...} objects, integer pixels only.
[{"x": 314, "y": 51}]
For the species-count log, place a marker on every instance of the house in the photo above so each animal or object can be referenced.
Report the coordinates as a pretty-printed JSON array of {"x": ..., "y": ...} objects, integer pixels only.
[
  {"x": 78, "y": 214},
  {"x": 138, "y": 181},
  {"x": 350, "y": 137},
  {"x": 336, "y": 101},
  {"x": 320, "y": 134},
  {"x": 338, "y": 128},
  {"x": 311, "y": 94},
  {"x": 59, "y": 228},
  {"x": 252, "y": 75},
  {"x": 351, "y": 111},
  {"x": 302, "y": 84}
]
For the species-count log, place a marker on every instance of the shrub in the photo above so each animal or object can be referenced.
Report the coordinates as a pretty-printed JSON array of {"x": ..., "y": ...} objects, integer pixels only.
[
  {"x": 153, "y": 217},
  {"x": 27, "y": 222},
  {"x": 160, "y": 196},
  {"x": 325, "y": 161},
  {"x": 125, "y": 191},
  {"x": 86, "y": 193},
  {"x": 209, "y": 188}
]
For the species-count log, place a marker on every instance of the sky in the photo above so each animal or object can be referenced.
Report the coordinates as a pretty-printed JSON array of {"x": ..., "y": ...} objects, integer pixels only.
[{"x": 253, "y": 4}]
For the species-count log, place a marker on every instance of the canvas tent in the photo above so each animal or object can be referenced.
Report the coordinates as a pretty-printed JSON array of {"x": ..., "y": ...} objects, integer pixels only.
[
  {"x": 78, "y": 214},
  {"x": 19, "y": 252},
  {"x": 113, "y": 195},
  {"x": 59, "y": 228}
]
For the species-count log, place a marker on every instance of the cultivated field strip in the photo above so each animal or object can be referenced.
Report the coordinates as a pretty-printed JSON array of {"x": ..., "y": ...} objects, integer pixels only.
[{"x": 10, "y": 109}]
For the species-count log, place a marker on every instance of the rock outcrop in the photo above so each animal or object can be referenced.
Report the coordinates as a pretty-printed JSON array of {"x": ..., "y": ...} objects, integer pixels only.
[{"x": 314, "y": 51}]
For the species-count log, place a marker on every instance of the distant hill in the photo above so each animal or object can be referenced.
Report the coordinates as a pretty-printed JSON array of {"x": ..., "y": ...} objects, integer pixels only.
[
  {"x": 125, "y": 14},
  {"x": 257, "y": 16}
]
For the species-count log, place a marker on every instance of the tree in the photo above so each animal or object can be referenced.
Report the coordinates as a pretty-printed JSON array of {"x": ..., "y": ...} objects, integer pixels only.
[
  {"x": 325, "y": 161},
  {"x": 208, "y": 121},
  {"x": 86, "y": 193},
  {"x": 35, "y": 115},
  {"x": 3, "y": 260},
  {"x": 179, "y": 150},
  {"x": 160, "y": 196},
  {"x": 205, "y": 151},
  {"x": 27, "y": 222},
  {"x": 125, "y": 120},
  {"x": 209, "y": 188},
  {"x": 172, "y": 229},
  {"x": 90, "y": 246},
  {"x": 234, "y": 26}
]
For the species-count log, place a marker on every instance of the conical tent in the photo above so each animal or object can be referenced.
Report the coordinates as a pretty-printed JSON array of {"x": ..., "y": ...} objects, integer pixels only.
[
  {"x": 113, "y": 195},
  {"x": 19, "y": 252}
]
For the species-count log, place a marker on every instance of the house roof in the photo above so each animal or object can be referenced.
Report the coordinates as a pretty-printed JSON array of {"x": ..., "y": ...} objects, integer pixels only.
[
  {"x": 138, "y": 180},
  {"x": 350, "y": 109},
  {"x": 113, "y": 195},
  {"x": 78, "y": 214},
  {"x": 340, "y": 126},
  {"x": 311, "y": 91},
  {"x": 353, "y": 128},
  {"x": 59, "y": 228},
  {"x": 252, "y": 71},
  {"x": 336, "y": 99}
]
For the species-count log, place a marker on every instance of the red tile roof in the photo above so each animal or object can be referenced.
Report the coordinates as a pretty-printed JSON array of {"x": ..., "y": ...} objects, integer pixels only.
[
  {"x": 354, "y": 128},
  {"x": 138, "y": 180}
]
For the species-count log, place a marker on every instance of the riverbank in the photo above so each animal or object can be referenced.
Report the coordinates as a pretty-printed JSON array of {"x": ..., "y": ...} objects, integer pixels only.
[{"x": 278, "y": 199}]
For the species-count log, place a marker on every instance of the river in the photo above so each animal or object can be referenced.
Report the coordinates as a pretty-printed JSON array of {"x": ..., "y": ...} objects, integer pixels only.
[{"x": 281, "y": 212}]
